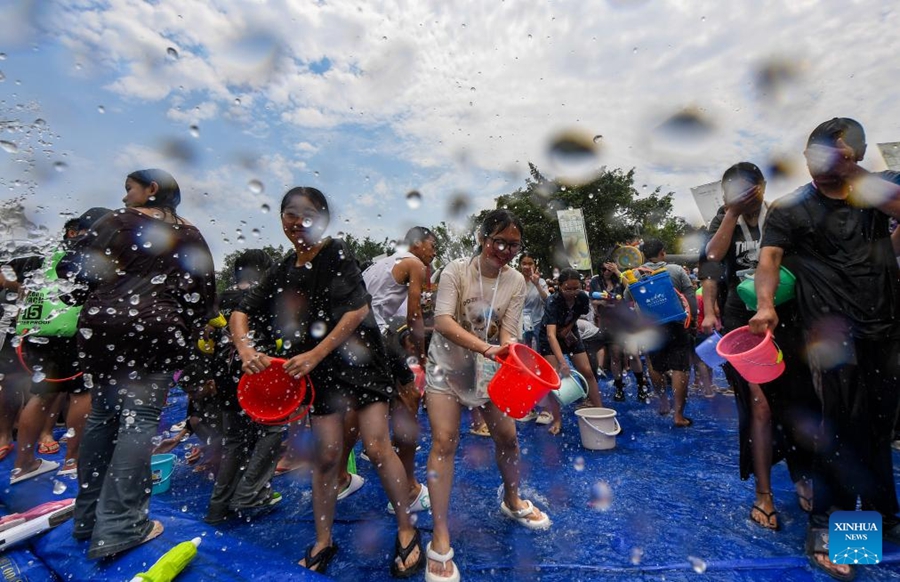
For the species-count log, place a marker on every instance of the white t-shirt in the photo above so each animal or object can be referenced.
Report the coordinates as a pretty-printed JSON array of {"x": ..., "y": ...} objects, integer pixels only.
[
  {"x": 533, "y": 308},
  {"x": 481, "y": 306}
]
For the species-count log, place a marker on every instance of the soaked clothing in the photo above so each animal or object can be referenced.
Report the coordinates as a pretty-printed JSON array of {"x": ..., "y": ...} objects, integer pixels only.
[
  {"x": 151, "y": 289},
  {"x": 482, "y": 306},
  {"x": 847, "y": 298},
  {"x": 846, "y": 266},
  {"x": 564, "y": 317},
  {"x": 303, "y": 304}
]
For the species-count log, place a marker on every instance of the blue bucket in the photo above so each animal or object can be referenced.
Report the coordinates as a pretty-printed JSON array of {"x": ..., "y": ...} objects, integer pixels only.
[
  {"x": 571, "y": 389},
  {"x": 161, "y": 467},
  {"x": 707, "y": 351},
  {"x": 656, "y": 298}
]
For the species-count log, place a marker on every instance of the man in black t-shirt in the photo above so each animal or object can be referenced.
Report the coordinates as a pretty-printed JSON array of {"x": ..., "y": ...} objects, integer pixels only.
[{"x": 836, "y": 229}]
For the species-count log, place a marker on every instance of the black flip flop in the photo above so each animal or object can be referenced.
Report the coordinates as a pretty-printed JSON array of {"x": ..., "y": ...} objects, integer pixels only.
[
  {"x": 319, "y": 562},
  {"x": 403, "y": 553}
]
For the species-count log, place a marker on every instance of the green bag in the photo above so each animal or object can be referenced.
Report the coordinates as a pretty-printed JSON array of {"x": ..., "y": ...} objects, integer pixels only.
[
  {"x": 45, "y": 314},
  {"x": 784, "y": 293}
]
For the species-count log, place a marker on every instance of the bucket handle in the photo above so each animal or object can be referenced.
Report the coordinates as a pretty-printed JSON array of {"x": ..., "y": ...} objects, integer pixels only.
[
  {"x": 778, "y": 359},
  {"x": 303, "y": 412},
  {"x": 617, "y": 430},
  {"x": 30, "y": 372}
]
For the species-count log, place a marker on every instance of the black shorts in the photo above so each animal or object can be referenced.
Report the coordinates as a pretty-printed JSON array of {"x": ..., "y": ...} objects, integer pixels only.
[
  {"x": 57, "y": 362},
  {"x": 674, "y": 351},
  {"x": 339, "y": 396},
  {"x": 567, "y": 350}
]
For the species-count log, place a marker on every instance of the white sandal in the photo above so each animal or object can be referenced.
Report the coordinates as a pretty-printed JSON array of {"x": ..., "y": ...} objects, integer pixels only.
[
  {"x": 443, "y": 559},
  {"x": 521, "y": 516}
]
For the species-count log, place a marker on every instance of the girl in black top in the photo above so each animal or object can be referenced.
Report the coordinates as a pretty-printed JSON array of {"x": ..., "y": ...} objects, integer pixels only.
[
  {"x": 559, "y": 337},
  {"x": 319, "y": 307},
  {"x": 151, "y": 289}
]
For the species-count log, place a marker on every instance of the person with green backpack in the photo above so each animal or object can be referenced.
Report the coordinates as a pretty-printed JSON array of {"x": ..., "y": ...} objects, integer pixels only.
[{"x": 46, "y": 348}]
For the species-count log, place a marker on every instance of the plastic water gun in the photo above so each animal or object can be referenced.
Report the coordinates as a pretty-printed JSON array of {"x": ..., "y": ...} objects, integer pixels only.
[
  {"x": 629, "y": 277},
  {"x": 21, "y": 526},
  {"x": 208, "y": 346},
  {"x": 170, "y": 564}
]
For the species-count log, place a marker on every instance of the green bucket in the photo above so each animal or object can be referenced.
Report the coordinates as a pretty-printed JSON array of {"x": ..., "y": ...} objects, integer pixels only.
[{"x": 784, "y": 293}]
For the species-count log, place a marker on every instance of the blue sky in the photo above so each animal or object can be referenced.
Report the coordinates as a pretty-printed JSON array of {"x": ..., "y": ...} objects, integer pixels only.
[{"x": 368, "y": 101}]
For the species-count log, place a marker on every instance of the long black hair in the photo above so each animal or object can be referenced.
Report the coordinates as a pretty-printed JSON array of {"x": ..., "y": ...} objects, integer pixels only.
[{"x": 168, "y": 194}]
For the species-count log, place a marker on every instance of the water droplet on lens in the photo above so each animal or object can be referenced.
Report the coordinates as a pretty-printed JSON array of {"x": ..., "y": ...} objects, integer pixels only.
[
  {"x": 306, "y": 222},
  {"x": 318, "y": 329},
  {"x": 575, "y": 156},
  {"x": 636, "y": 555},
  {"x": 101, "y": 109},
  {"x": 413, "y": 199},
  {"x": 698, "y": 564},
  {"x": 70, "y": 433},
  {"x": 195, "y": 130},
  {"x": 601, "y": 496},
  {"x": 158, "y": 280},
  {"x": 308, "y": 265},
  {"x": 579, "y": 464},
  {"x": 172, "y": 53},
  {"x": 265, "y": 208},
  {"x": 255, "y": 186},
  {"x": 60, "y": 166},
  {"x": 9, "y": 147},
  {"x": 58, "y": 487}
]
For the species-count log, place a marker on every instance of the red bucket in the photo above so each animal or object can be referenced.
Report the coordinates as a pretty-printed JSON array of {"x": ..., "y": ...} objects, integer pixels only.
[
  {"x": 523, "y": 379},
  {"x": 273, "y": 395},
  {"x": 756, "y": 358}
]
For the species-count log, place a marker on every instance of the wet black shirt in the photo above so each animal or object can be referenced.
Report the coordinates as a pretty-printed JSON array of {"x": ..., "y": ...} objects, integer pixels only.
[
  {"x": 303, "y": 304},
  {"x": 843, "y": 260}
]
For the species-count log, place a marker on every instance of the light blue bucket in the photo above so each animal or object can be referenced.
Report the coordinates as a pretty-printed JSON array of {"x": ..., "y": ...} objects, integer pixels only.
[
  {"x": 161, "y": 467},
  {"x": 707, "y": 351},
  {"x": 571, "y": 389}
]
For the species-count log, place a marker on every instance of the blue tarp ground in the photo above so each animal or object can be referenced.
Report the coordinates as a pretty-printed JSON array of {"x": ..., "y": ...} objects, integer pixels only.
[{"x": 677, "y": 506}]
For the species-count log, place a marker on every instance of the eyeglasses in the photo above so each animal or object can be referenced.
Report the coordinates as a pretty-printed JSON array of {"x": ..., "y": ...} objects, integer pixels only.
[{"x": 501, "y": 244}]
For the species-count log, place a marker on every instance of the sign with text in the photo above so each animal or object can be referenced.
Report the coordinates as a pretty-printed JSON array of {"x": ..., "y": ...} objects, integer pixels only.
[
  {"x": 709, "y": 197},
  {"x": 574, "y": 238},
  {"x": 854, "y": 537}
]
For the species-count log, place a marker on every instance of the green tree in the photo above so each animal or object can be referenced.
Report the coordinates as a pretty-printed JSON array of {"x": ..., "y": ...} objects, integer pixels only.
[
  {"x": 451, "y": 244},
  {"x": 614, "y": 212},
  {"x": 367, "y": 249}
]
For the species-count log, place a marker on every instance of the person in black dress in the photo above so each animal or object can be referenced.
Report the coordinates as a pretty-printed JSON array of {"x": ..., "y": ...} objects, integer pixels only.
[
  {"x": 151, "y": 290},
  {"x": 318, "y": 305}
]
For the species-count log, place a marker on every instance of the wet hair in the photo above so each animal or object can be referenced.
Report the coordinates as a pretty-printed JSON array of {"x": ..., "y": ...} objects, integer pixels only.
[
  {"x": 251, "y": 264},
  {"x": 417, "y": 234},
  {"x": 850, "y": 130},
  {"x": 653, "y": 247},
  {"x": 568, "y": 275},
  {"x": 744, "y": 171},
  {"x": 168, "y": 195},
  {"x": 315, "y": 197},
  {"x": 496, "y": 221}
]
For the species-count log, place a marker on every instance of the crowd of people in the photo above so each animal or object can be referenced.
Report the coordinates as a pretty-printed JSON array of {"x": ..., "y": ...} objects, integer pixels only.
[{"x": 130, "y": 308}]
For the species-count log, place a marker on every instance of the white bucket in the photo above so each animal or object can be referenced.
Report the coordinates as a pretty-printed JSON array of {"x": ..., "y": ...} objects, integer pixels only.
[{"x": 598, "y": 427}]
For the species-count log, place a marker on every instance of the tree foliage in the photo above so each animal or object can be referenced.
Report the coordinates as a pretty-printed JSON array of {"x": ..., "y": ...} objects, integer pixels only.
[
  {"x": 614, "y": 212},
  {"x": 367, "y": 249}
]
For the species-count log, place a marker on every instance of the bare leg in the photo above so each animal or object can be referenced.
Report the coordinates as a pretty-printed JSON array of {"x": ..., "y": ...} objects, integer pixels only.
[
  {"x": 11, "y": 402},
  {"x": 376, "y": 435},
  {"x": 405, "y": 422},
  {"x": 30, "y": 423},
  {"x": 660, "y": 384},
  {"x": 53, "y": 408},
  {"x": 583, "y": 365},
  {"x": 444, "y": 416},
  {"x": 292, "y": 457},
  {"x": 328, "y": 436},
  {"x": 79, "y": 408},
  {"x": 761, "y": 433},
  {"x": 506, "y": 444},
  {"x": 679, "y": 390},
  {"x": 351, "y": 435}
]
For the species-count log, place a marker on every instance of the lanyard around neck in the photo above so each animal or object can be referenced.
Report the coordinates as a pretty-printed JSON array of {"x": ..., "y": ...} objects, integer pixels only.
[
  {"x": 746, "y": 230},
  {"x": 490, "y": 313}
]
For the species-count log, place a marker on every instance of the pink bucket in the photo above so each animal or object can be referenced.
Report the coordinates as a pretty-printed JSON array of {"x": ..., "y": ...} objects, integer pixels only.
[{"x": 756, "y": 358}]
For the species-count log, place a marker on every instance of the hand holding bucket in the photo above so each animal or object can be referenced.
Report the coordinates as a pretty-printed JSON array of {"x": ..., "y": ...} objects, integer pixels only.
[
  {"x": 523, "y": 379},
  {"x": 755, "y": 357},
  {"x": 272, "y": 395}
]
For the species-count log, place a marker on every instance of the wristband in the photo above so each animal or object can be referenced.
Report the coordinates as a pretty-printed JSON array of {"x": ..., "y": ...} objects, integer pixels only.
[{"x": 486, "y": 349}]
